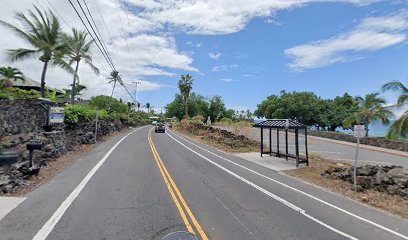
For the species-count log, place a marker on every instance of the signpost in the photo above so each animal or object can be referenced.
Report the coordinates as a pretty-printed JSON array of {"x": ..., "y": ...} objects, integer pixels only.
[
  {"x": 359, "y": 132},
  {"x": 56, "y": 115}
]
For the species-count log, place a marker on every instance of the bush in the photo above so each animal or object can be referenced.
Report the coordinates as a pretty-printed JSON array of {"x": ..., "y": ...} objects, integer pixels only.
[
  {"x": 198, "y": 119},
  {"x": 111, "y": 105},
  {"x": 78, "y": 113},
  {"x": 16, "y": 93},
  {"x": 226, "y": 121}
]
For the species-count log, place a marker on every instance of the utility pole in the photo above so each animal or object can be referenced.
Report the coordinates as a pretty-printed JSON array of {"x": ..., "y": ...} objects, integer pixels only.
[{"x": 136, "y": 102}]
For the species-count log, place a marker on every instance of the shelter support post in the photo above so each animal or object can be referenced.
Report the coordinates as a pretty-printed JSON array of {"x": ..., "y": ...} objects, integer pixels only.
[
  {"x": 261, "y": 141},
  {"x": 307, "y": 153},
  {"x": 270, "y": 141},
  {"x": 297, "y": 146},
  {"x": 286, "y": 141},
  {"x": 277, "y": 142}
]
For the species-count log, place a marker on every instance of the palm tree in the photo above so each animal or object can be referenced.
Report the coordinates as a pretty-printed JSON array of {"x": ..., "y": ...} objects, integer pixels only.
[
  {"x": 400, "y": 127},
  {"x": 148, "y": 107},
  {"x": 114, "y": 77},
  {"x": 371, "y": 108},
  {"x": 185, "y": 85},
  {"x": 8, "y": 74},
  {"x": 43, "y": 33},
  {"x": 78, "y": 48},
  {"x": 78, "y": 89}
]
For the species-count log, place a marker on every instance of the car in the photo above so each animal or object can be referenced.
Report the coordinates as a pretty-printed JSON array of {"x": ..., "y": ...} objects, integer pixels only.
[
  {"x": 154, "y": 123},
  {"x": 160, "y": 127}
]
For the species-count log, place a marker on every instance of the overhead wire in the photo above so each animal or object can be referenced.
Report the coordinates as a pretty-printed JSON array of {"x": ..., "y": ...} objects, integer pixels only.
[{"x": 96, "y": 43}]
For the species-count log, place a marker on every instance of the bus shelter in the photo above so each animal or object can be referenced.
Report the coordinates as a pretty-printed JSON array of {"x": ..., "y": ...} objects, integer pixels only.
[{"x": 283, "y": 128}]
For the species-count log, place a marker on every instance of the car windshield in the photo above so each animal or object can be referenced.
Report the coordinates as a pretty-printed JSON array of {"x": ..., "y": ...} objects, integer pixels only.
[{"x": 204, "y": 119}]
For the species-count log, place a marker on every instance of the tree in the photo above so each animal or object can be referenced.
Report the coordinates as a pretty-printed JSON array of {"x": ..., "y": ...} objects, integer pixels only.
[
  {"x": 111, "y": 105},
  {"x": 148, "y": 107},
  {"x": 400, "y": 127},
  {"x": 197, "y": 105},
  {"x": 8, "y": 74},
  {"x": 78, "y": 48},
  {"x": 217, "y": 109},
  {"x": 114, "y": 77},
  {"x": 185, "y": 85},
  {"x": 77, "y": 89},
  {"x": 371, "y": 108},
  {"x": 43, "y": 33}
]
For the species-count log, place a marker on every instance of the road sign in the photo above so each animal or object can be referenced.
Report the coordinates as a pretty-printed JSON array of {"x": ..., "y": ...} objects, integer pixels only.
[
  {"x": 57, "y": 114},
  {"x": 359, "y": 131}
]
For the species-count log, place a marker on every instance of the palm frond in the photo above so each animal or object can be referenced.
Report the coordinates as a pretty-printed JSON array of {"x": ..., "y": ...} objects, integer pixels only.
[
  {"x": 395, "y": 86},
  {"x": 399, "y": 129},
  {"x": 21, "y": 54}
]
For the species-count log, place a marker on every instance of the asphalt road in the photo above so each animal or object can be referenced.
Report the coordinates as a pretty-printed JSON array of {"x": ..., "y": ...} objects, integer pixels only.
[
  {"x": 141, "y": 187},
  {"x": 336, "y": 151}
]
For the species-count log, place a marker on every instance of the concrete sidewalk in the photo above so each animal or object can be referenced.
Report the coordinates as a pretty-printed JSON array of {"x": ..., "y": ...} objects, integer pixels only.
[{"x": 271, "y": 162}]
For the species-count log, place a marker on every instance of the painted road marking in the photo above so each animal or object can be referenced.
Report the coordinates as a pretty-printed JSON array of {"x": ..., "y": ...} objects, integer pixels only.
[
  {"x": 179, "y": 208},
  {"x": 297, "y": 190},
  {"x": 277, "y": 198},
  {"x": 43, "y": 233},
  {"x": 176, "y": 189}
]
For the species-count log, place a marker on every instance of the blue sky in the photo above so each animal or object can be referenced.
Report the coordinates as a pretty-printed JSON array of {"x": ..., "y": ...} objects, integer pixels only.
[
  {"x": 252, "y": 63},
  {"x": 242, "y": 50}
]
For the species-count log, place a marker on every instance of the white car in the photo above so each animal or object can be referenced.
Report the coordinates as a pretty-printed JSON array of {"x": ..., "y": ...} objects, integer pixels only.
[{"x": 154, "y": 123}]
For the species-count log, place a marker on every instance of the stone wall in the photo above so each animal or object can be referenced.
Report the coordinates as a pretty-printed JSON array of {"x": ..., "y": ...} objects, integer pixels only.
[
  {"x": 22, "y": 116},
  {"x": 372, "y": 141}
]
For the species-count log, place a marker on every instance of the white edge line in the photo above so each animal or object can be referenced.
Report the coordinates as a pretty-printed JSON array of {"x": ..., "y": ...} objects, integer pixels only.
[
  {"x": 279, "y": 199},
  {"x": 43, "y": 233},
  {"x": 299, "y": 191}
]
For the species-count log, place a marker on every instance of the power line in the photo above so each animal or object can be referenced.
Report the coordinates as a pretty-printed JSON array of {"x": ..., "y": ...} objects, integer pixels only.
[
  {"x": 103, "y": 53},
  {"x": 97, "y": 29},
  {"x": 66, "y": 23},
  {"x": 90, "y": 24}
]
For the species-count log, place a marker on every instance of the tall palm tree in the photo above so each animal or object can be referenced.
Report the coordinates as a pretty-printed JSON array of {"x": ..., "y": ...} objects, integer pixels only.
[
  {"x": 400, "y": 127},
  {"x": 113, "y": 78},
  {"x": 43, "y": 33},
  {"x": 185, "y": 85},
  {"x": 8, "y": 74},
  {"x": 371, "y": 108},
  {"x": 78, "y": 48}
]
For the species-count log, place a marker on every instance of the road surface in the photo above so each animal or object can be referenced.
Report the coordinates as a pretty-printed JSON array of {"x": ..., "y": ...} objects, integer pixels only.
[
  {"x": 333, "y": 150},
  {"x": 145, "y": 186}
]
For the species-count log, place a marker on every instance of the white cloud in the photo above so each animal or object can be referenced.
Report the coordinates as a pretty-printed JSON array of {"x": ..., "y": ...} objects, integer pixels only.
[
  {"x": 227, "y": 80},
  {"x": 214, "y": 55},
  {"x": 145, "y": 45},
  {"x": 372, "y": 34},
  {"x": 247, "y": 75},
  {"x": 145, "y": 53},
  {"x": 220, "y": 17}
]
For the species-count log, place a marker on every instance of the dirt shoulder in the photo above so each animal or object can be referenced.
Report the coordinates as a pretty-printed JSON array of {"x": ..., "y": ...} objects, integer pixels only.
[
  {"x": 55, "y": 166},
  {"x": 394, "y": 204}
]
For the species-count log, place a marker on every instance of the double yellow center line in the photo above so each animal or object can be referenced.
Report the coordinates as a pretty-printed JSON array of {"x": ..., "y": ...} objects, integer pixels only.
[{"x": 175, "y": 194}]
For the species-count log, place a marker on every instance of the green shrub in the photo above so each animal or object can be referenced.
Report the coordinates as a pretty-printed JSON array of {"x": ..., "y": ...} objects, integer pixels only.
[
  {"x": 111, "y": 105},
  {"x": 78, "y": 113},
  {"x": 226, "y": 121},
  {"x": 198, "y": 119},
  {"x": 16, "y": 93}
]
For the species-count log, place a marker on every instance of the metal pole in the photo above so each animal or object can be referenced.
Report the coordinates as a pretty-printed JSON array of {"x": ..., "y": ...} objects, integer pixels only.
[
  {"x": 297, "y": 146},
  {"x": 286, "y": 140},
  {"x": 96, "y": 126},
  {"x": 261, "y": 141},
  {"x": 307, "y": 152},
  {"x": 355, "y": 164},
  {"x": 277, "y": 141},
  {"x": 270, "y": 141}
]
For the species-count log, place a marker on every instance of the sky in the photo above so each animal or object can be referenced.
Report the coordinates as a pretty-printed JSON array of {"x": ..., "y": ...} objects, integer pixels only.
[{"x": 239, "y": 49}]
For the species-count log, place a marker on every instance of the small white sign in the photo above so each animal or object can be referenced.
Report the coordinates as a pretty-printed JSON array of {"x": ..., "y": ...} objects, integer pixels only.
[
  {"x": 359, "y": 131},
  {"x": 57, "y": 115}
]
